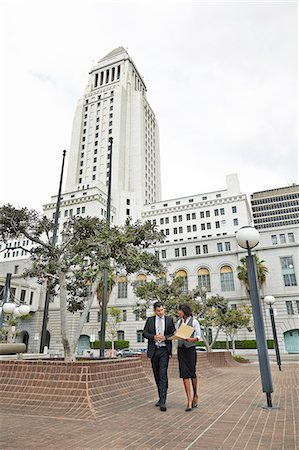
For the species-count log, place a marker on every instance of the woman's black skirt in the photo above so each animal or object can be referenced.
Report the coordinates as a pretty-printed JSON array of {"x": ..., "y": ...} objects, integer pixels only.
[{"x": 187, "y": 361}]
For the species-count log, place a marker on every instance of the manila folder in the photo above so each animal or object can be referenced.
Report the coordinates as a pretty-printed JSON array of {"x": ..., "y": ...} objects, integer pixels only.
[{"x": 184, "y": 332}]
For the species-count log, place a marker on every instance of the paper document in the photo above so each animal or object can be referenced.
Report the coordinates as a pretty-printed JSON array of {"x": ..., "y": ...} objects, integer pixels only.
[{"x": 184, "y": 332}]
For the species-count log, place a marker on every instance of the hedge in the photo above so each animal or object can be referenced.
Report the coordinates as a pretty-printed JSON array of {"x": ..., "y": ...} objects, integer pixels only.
[
  {"x": 118, "y": 345},
  {"x": 245, "y": 344}
]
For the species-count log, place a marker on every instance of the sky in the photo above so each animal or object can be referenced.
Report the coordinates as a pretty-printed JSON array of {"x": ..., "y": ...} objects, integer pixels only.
[{"x": 220, "y": 76}]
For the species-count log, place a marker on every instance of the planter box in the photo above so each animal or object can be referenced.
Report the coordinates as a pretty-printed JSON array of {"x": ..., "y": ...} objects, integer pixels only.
[{"x": 12, "y": 349}]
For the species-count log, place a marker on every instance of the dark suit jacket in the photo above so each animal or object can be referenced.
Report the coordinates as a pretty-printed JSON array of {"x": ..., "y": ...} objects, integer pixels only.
[{"x": 150, "y": 331}]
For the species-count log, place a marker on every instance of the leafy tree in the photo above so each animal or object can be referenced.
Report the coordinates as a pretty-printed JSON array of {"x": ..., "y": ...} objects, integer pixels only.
[
  {"x": 113, "y": 321},
  {"x": 211, "y": 312},
  {"x": 171, "y": 294},
  {"x": 234, "y": 320},
  {"x": 73, "y": 268},
  {"x": 260, "y": 268},
  {"x": 9, "y": 328}
]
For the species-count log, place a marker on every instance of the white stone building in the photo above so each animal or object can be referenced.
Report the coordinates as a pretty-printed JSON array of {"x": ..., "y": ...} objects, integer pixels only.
[
  {"x": 201, "y": 216},
  {"x": 114, "y": 105},
  {"x": 276, "y": 207}
]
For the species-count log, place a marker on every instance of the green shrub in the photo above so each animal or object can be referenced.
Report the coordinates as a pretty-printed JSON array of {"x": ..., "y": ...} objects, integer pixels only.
[
  {"x": 240, "y": 359},
  {"x": 245, "y": 344},
  {"x": 118, "y": 345}
]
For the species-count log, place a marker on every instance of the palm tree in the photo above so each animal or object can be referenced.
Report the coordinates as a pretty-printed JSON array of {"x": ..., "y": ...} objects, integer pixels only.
[
  {"x": 111, "y": 284},
  {"x": 261, "y": 270}
]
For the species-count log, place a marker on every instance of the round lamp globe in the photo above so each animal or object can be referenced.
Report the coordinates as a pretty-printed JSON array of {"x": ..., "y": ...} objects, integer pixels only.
[{"x": 248, "y": 237}]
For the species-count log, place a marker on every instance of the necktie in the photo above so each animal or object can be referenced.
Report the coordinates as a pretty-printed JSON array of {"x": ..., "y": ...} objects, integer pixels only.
[
  {"x": 161, "y": 326},
  {"x": 160, "y": 330}
]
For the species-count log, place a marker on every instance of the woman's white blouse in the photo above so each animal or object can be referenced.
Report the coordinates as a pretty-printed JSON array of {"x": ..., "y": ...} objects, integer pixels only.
[{"x": 195, "y": 326}]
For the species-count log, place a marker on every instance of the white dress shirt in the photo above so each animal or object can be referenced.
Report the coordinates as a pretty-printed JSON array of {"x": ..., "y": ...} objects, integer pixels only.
[{"x": 160, "y": 329}]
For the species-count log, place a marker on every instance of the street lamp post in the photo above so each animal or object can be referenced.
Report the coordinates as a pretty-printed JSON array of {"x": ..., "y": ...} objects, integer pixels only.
[
  {"x": 5, "y": 297},
  {"x": 270, "y": 300},
  {"x": 53, "y": 243},
  {"x": 105, "y": 274},
  {"x": 10, "y": 305},
  {"x": 248, "y": 238}
]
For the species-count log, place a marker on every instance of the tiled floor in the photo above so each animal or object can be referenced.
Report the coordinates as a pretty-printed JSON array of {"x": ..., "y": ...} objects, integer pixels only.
[{"x": 230, "y": 417}]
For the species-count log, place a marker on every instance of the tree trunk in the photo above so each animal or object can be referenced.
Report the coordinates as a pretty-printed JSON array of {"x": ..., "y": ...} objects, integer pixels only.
[
  {"x": 215, "y": 339},
  {"x": 227, "y": 343},
  {"x": 69, "y": 350},
  {"x": 207, "y": 344},
  {"x": 233, "y": 344},
  {"x": 86, "y": 310}
]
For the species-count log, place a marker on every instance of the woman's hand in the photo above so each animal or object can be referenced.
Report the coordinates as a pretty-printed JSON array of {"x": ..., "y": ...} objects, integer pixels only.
[{"x": 190, "y": 339}]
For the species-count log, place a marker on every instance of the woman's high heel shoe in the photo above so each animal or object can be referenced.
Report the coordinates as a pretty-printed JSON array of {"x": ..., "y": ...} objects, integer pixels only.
[
  {"x": 189, "y": 408},
  {"x": 195, "y": 404}
]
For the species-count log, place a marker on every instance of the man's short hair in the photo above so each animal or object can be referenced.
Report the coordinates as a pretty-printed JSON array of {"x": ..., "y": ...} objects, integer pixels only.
[{"x": 157, "y": 305}]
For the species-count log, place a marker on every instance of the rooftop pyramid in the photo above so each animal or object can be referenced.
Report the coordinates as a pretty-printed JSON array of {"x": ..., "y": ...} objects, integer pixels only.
[{"x": 116, "y": 52}]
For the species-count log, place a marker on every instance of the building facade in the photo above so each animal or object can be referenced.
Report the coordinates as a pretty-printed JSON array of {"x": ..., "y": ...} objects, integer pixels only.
[
  {"x": 201, "y": 216},
  {"x": 275, "y": 207},
  {"x": 115, "y": 105},
  {"x": 199, "y": 231}
]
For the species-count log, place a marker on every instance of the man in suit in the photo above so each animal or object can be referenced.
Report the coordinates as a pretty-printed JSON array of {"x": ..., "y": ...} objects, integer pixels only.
[{"x": 157, "y": 330}]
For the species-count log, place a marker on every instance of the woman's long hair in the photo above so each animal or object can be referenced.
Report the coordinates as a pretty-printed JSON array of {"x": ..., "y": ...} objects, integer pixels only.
[{"x": 186, "y": 309}]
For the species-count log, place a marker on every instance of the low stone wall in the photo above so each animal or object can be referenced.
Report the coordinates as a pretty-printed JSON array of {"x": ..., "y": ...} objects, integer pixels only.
[
  {"x": 85, "y": 389},
  {"x": 207, "y": 364},
  {"x": 88, "y": 389}
]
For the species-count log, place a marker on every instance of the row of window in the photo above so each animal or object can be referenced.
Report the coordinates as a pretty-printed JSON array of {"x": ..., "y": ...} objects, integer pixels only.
[
  {"x": 204, "y": 279},
  {"x": 15, "y": 253},
  {"x": 123, "y": 315},
  {"x": 203, "y": 274},
  {"x": 24, "y": 294},
  {"x": 276, "y": 224},
  {"x": 278, "y": 217},
  {"x": 276, "y": 212},
  {"x": 139, "y": 336},
  {"x": 282, "y": 238},
  {"x": 275, "y": 206},
  {"x": 226, "y": 246},
  {"x": 69, "y": 212},
  {"x": 16, "y": 244},
  {"x": 190, "y": 228},
  {"x": 107, "y": 76},
  {"x": 192, "y": 216},
  {"x": 121, "y": 334},
  {"x": 216, "y": 211},
  {"x": 274, "y": 199}
]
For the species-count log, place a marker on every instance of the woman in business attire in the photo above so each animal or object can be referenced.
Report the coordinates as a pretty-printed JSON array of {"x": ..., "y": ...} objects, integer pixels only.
[{"x": 187, "y": 355}]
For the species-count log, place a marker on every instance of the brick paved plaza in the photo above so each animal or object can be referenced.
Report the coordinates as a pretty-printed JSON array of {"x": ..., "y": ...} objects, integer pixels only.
[{"x": 230, "y": 414}]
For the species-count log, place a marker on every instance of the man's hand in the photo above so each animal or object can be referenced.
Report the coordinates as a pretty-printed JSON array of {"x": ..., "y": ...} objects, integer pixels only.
[{"x": 159, "y": 338}]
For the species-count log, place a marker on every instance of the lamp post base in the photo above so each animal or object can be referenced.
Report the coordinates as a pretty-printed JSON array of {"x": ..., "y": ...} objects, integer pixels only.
[{"x": 269, "y": 400}]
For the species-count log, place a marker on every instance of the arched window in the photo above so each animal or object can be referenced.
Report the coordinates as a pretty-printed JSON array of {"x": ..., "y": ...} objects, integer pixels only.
[
  {"x": 227, "y": 278},
  {"x": 140, "y": 338},
  {"x": 122, "y": 287},
  {"x": 183, "y": 274},
  {"x": 120, "y": 335},
  {"x": 203, "y": 277},
  {"x": 141, "y": 278}
]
